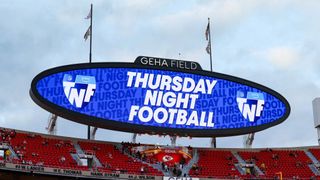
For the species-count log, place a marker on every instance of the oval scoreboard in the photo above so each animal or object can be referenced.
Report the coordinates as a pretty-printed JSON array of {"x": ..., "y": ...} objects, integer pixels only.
[{"x": 148, "y": 99}]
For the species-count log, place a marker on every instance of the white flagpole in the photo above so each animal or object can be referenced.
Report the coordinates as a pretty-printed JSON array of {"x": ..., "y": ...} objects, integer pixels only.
[
  {"x": 90, "y": 53},
  {"x": 210, "y": 44},
  {"x": 90, "y": 58}
]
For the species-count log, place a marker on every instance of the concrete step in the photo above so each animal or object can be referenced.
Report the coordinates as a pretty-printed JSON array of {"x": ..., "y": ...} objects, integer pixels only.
[
  {"x": 77, "y": 159},
  {"x": 155, "y": 166},
  {"x": 242, "y": 162},
  {"x": 186, "y": 169},
  {"x": 78, "y": 148},
  {"x": 311, "y": 156},
  {"x": 314, "y": 169}
]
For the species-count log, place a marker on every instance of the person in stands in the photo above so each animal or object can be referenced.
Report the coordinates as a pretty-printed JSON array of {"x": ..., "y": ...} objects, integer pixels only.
[
  {"x": 248, "y": 171},
  {"x": 62, "y": 159},
  {"x": 275, "y": 156},
  {"x": 107, "y": 165},
  {"x": 8, "y": 155},
  {"x": 263, "y": 167},
  {"x": 142, "y": 170}
]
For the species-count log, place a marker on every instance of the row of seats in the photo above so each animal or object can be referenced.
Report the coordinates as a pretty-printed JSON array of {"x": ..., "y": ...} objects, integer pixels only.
[
  {"x": 56, "y": 152},
  {"x": 37, "y": 150},
  {"x": 112, "y": 159},
  {"x": 215, "y": 163},
  {"x": 291, "y": 163}
]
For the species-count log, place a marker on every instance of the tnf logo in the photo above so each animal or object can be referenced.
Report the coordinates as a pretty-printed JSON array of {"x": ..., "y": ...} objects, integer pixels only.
[
  {"x": 250, "y": 104},
  {"x": 79, "y": 89}
]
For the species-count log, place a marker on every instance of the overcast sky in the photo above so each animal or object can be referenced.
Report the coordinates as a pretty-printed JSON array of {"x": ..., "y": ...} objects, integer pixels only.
[{"x": 271, "y": 42}]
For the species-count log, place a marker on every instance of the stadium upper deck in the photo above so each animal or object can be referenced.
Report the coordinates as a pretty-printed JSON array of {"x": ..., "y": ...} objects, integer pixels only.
[{"x": 35, "y": 153}]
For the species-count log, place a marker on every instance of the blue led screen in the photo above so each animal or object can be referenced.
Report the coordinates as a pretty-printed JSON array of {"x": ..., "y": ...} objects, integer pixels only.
[{"x": 162, "y": 98}]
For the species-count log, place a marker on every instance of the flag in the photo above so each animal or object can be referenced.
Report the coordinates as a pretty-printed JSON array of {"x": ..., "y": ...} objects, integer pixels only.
[
  {"x": 207, "y": 31},
  {"x": 208, "y": 48},
  {"x": 87, "y": 34},
  {"x": 89, "y": 15}
]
